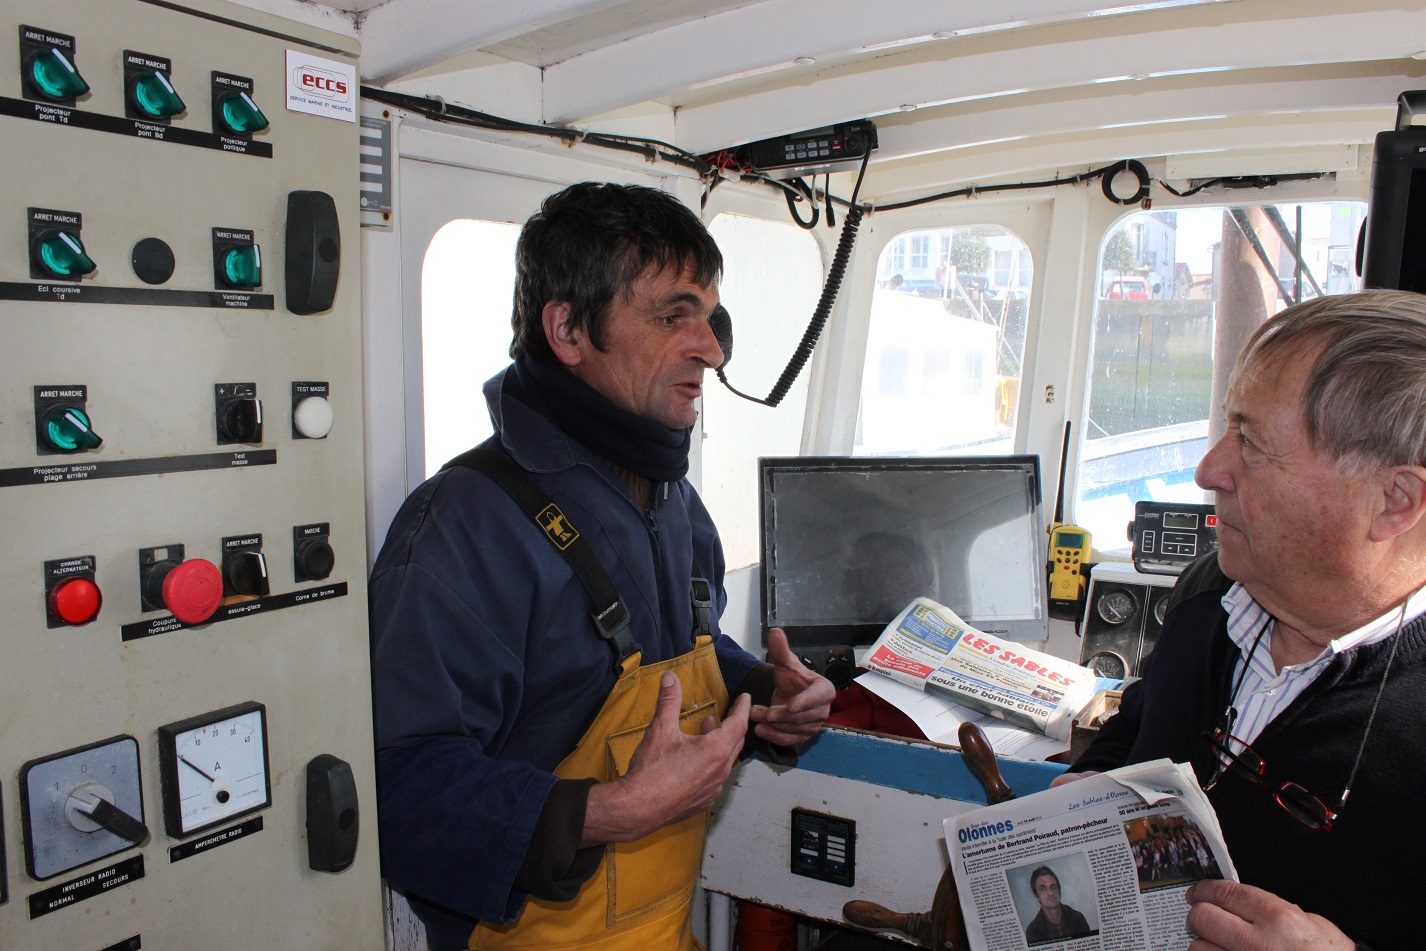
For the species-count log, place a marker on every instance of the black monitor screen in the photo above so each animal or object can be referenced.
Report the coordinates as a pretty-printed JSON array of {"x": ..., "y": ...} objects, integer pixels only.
[{"x": 849, "y": 542}]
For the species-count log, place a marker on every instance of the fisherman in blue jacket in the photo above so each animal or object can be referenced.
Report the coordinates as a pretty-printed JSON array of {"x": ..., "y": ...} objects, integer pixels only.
[{"x": 546, "y": 760}]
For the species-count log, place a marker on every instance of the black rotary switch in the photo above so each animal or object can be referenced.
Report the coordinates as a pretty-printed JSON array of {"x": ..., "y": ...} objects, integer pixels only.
[
  {"x": 245, "y": 573},
  {"x": 239, "y": 413}
]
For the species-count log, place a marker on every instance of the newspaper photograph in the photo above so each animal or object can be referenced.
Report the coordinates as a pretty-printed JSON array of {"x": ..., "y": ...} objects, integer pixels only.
[
  {"x": 928, "y": 646},
  {"x": 1100, "y": 864}
]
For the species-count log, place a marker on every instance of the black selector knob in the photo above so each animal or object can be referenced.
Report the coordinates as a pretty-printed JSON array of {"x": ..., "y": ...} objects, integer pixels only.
[
  {"x": 240, "y": 420},
  {"x": 245, "y": 572},
  {"x": 840, "y": 669}
]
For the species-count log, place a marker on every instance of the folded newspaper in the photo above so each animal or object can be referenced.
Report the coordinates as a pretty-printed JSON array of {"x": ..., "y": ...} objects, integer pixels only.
[
  {"x": 1101, "y": 863},
  {"x": 929, "y": 647}
]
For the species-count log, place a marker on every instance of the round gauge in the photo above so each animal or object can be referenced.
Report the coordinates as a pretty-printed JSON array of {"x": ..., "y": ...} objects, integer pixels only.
[
  {"x": 214, "y": 768},
  {"x": 1116, "y": 606},
  {"x": 1108, "y": 664},
  {"x": 1161, "y": 608}
]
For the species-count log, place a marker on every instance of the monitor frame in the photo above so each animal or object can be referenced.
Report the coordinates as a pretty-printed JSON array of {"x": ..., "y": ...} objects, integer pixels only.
[{"x": 814, "y": 641}]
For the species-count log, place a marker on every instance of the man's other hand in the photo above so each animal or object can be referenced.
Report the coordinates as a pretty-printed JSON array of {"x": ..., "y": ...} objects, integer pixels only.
[
  {"x": 1229, "y": 916},
  {"x": 672, "y": 775},
  {"x": 801, "y": 699},
  {"x": 1065, "y": 778}
]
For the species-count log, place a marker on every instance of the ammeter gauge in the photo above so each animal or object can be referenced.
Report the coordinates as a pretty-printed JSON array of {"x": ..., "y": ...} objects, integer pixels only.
[
  {"x": 214, "y": 768},
  {"x": 1116, "y": 607}
]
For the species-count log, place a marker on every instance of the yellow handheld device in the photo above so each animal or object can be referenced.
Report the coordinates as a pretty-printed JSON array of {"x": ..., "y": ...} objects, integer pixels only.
[
  {"x": 1069, "y": 555},
  {"x": 1069, "y": 552}
]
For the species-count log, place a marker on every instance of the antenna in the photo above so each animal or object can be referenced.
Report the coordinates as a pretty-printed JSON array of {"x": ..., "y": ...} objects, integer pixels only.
[{"x": 1060, "y": 492}]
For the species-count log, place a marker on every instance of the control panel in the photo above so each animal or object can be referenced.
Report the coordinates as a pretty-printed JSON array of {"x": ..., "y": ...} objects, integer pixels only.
[
  {"x": 187, "y": 743},
  {"x": 1167, "y": 536},
  {"x": 1125, "y": 613}
]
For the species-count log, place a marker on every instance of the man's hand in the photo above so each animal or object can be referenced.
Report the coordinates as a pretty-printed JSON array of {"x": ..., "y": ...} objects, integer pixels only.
[
  {"x": 1229, "y": 916},
  {"x": 1065, "y": 778},
  {"x": 801, "y": 698},
  {"x": 672, "y": 775}
]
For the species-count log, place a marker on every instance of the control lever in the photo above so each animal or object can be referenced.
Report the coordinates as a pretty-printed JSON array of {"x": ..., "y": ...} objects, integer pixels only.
[
  {"x": 108, "y": 816},
  {"x": 942, "y": 928}
]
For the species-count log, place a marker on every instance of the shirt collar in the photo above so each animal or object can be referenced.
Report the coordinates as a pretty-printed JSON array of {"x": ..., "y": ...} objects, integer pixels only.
[{"x": 1245, "y": 616}]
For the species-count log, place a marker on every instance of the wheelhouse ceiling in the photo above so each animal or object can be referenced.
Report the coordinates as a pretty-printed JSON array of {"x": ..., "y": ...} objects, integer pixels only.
[{"x": 957, "y": 90}]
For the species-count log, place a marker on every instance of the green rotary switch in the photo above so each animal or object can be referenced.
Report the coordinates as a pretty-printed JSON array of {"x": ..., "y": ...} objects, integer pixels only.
[
  {"x": 152, "y": 94},
  {"x": 67, "y": 429},
  {"x": 240, "y": 114},
  {"x": 54, "y": 76},
  {"x": 61, "y": 254},
  {"x": 242, "y": 267}
]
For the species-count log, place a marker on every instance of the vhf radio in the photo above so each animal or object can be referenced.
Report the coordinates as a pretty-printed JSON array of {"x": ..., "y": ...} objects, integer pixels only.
[
  {"x": 829, "y": 149},
  {"x": 1070, "y": 551}
]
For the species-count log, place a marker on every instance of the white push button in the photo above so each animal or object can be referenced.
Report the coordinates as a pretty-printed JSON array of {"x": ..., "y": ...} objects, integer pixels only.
[{"x": 313, "y": 417}]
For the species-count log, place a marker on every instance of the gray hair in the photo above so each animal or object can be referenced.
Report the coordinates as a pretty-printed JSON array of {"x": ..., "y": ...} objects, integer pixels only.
[{"x": 1365, "y": 396}]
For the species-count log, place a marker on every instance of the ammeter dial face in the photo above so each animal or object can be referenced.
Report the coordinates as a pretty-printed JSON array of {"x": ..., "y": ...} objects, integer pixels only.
[
  {"x": 214, "y": 768},
  {"x": 1115, "y": 607}
]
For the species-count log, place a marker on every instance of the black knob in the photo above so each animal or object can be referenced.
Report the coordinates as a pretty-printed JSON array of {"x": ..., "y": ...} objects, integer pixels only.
[
  {"x": 115, "y": 820},
  {"x": 245, "y": 572},
  {"x": 315, "y": 560},
  {"x": 152, "y": 582},
  {"x": 240, "y": 420}
]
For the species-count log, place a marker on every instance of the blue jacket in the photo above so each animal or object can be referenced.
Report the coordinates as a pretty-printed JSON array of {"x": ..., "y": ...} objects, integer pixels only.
[{"x": 486, "y": 667}]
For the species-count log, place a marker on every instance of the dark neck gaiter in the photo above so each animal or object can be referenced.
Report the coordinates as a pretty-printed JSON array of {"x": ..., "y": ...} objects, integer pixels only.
[{"x": 643, "y": 446}]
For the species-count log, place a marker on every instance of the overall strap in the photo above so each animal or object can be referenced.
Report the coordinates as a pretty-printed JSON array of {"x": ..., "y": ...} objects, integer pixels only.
[{"x": 610, "y": 616}]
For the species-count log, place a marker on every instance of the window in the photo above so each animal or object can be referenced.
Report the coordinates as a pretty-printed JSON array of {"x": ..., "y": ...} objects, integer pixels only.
[
  {"x": 1179, "y": 294},
  {"x": 920, "y": 250},
  {"x": 772, "y": 277},
  {"x": 467, "y": 280},
  {"x": 944, "y": 349}
]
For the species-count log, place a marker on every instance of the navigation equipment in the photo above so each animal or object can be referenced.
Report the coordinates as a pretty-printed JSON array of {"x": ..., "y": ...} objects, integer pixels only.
[{"x": 848, "y": 542}]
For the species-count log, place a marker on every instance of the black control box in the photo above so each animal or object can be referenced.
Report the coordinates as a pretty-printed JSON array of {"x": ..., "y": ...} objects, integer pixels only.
[
  {"x": 1169, "y": 535},
  {"x": 830, "y": 149}
]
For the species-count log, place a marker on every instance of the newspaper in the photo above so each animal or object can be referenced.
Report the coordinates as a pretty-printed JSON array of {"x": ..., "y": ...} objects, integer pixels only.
[
  {"x": 1120, "y": 849},
  {"x": 940, "y": 720},
  {"x": 928, "y": 646}
]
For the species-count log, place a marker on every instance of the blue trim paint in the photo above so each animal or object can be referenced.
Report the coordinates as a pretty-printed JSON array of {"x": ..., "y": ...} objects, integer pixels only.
[{"x": 914, "y": 767}]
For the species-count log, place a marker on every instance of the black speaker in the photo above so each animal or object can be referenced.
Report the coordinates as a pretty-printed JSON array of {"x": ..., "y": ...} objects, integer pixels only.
[
  {"x": 314, "y": 252},
  {"x": 1394, "y": 253},
  {"x": 333, "y": 818}
]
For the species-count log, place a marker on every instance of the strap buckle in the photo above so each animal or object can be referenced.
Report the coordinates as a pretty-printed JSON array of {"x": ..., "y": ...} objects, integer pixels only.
[
  {"x": 612, "y": 623},
  {"x": 702, "y": 607}
]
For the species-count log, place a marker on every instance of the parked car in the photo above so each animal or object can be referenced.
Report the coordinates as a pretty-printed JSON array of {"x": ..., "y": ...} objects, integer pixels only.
[{"x": 1128, "y": 288}]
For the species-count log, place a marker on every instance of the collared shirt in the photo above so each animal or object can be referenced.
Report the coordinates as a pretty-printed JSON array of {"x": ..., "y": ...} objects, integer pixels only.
[{"x": 1266, "y": 692}]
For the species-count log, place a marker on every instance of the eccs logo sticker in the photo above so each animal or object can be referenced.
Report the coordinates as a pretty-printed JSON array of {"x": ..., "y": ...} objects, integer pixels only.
[{"x": 321, "y": 82}]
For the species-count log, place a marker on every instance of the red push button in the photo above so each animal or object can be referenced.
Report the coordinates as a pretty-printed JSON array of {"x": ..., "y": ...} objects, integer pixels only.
[
  {"x": 76, "y": 601},
  {"x": 193, "y": 590}
]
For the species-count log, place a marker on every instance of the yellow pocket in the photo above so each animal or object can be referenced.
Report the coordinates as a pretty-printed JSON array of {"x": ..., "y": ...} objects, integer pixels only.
[{"x": 660, "y": 869}]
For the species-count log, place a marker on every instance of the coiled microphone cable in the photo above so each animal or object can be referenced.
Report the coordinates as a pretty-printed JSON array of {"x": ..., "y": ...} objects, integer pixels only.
[{"x": 830, "y": 288}]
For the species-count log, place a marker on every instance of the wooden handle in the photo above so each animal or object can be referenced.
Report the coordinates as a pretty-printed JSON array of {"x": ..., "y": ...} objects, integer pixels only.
[
  {"x": 874, "y": 917},
  {"x": 981, "y": 760}
]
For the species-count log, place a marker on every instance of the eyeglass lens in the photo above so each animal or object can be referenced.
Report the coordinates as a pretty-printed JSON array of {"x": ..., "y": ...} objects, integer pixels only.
[{"x": 1297, "y": 801}]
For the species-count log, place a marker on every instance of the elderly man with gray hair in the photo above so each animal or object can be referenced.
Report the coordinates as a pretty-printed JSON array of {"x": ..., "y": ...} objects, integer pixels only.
[{"x": 1291, "y": 669}]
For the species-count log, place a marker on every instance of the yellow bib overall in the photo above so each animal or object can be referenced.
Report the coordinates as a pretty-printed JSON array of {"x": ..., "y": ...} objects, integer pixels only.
[{"x": 640, "y": 897}]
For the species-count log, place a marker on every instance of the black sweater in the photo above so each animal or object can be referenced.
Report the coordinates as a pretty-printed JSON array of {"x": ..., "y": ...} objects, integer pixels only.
[{"x": 1362, "y": 875}]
